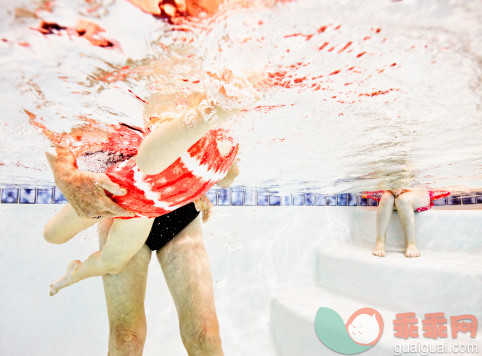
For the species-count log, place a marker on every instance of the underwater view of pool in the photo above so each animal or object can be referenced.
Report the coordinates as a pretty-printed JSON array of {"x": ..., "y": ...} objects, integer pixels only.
[
  {"x": 357, "y": 95},
  {"x": 354, "y": 96}
]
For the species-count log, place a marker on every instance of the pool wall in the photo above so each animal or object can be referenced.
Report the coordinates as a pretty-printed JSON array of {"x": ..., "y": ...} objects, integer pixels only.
[
  {"x": 271, "y": 268},
  {"x": 253, "y": 252},
  {"x": 242, "y": 196}
]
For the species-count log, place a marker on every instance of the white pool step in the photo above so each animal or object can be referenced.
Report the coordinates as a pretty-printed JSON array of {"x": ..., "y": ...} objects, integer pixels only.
[
  {"x": 434, "y": 282},
  {"x": 292, "y": 321},
  {"x": 462, "y": 230}
]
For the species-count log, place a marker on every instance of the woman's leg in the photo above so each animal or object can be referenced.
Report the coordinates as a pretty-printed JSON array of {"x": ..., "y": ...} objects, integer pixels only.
[
  {"x": 65, "y": 224},
  {"x": 406, "y": 203},
  {"x": 185, "y": 265},
  {"x": 384, "y": 214},
  {"x": 125, "y": 239},
  {"x": 124, "y": 295}
]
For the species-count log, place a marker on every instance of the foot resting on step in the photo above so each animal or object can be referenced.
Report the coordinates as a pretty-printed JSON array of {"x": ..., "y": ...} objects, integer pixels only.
[
  {"x": 412, "y": 251},
  {"x": 379, "y": 249}
]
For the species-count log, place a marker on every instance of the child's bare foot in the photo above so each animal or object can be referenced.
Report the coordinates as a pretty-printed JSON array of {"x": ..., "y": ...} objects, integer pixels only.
[
  {"x": 412, "y": 251},
  {"x": 379, "y": 249},
  {"x": 66, "y": 280}
]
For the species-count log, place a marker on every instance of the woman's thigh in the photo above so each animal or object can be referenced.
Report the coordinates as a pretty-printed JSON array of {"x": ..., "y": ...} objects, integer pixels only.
[
  {"x": 125, "y": 291},
  {"x": 185, "y": 265}
]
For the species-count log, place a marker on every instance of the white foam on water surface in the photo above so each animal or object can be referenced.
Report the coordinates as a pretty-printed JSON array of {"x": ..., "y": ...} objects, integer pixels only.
[{"x": 393, "y": 95}]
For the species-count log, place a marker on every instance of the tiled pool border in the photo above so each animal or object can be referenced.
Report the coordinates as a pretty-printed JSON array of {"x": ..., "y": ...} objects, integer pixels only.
[{"x": 238, "y": 196}]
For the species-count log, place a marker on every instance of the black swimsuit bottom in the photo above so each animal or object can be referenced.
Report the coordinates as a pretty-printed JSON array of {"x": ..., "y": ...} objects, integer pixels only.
[{"x": 167, "y": 226}]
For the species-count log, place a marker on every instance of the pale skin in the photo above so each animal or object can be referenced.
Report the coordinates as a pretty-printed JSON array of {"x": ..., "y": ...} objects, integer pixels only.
[
  {"x": 127, "y": 236},
  {"x": 86, "y": 189},
  {"x": 184, "y": 260},
  {"x": 186, "y": 269},
  {"x": 406, "y": 202},
  {"x": 187, "y": 272}
]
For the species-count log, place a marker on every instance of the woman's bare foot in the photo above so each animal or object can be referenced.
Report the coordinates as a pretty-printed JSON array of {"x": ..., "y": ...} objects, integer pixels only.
[
  {"x": 66, "y": 280},
  {"x": 412, "y": 251},
  {"x": 379, "y": 249}
]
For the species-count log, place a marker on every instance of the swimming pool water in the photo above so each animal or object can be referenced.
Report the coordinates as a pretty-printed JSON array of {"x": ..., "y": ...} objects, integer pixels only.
[{"x": 358, "y": 94}]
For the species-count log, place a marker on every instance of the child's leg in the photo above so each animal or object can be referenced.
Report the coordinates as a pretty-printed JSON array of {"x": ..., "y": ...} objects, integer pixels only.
[
  {"x": 384, "y": 214},
  {"x": 125, "y": 239},
  {"x": 65, "y": 224},
  {"x": 406, "y": 204}
]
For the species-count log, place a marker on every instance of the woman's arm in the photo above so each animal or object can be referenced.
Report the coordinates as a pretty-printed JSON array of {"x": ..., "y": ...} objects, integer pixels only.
[{"x": 167, "y": 142}]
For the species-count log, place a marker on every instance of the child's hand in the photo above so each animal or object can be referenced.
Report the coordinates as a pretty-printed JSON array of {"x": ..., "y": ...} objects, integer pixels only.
[
  {"x": 203, "y": 205},
  {"x": 230, "y": 176}
]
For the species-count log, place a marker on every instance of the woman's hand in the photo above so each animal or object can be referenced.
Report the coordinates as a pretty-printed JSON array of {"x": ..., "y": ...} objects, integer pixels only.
[
  {"x": 204, "y": 205},
  {"x": 85, "y": 191}
]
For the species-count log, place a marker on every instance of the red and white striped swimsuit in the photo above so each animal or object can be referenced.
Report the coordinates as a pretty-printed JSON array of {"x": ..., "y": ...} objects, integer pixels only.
[
  {"x": 185, "y": 180},
  {"x": 434, "y": 195}
]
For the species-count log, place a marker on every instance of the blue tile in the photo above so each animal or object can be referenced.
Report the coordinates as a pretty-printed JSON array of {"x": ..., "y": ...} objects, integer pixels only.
[
  {"x": 310, "y": 199},
  {"x": 298, "y": 199},
  {"x": 440, "y": 202},
  {"x": 44, "y": 196},
  {"x": 59, "y": 197},
  {"x": 223, "y": 197},
  {"x": 262, "y": 198},
  {"x": 237, "y": 196},
  {"x": 212, "y": 196},
  {"x": 362, "y": 201},
  {"x": 454, "y": 199},
  {"x": 10, "y": 195},
  {"x": 331, "y": 200},
  {"x": 351, "y": 199},
  {"x": 274, "y": 200},
  {"x": 250, "y": 197},
  {"x": 27, "y": 196},
  {"x": 479, "y": 197},
  {"x": 342, "y": 199},
  {"x": 378, "y": 195},
  {"x": 320, "y": 199},
  {"x": 372, "y": 202},
  {"x": 286, "y": 200},
  {"x": 469, "y": 199}
]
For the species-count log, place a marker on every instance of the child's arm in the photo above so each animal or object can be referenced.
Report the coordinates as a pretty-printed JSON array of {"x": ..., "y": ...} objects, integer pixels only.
[
  {"x": 64, "y": 225},
  {"x": 233, "y": 172},
  {"x": 169, "y": 140}
]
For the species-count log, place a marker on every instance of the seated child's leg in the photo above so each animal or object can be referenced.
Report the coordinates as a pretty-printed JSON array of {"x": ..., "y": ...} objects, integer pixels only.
[
  {"x": 406, "y": 204},
  {"x": 384, "y": 214},
  {"x": 125, "y": 239},
  {"x": 65, "y": 224},
  {"x": 420, "y": 199}
]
